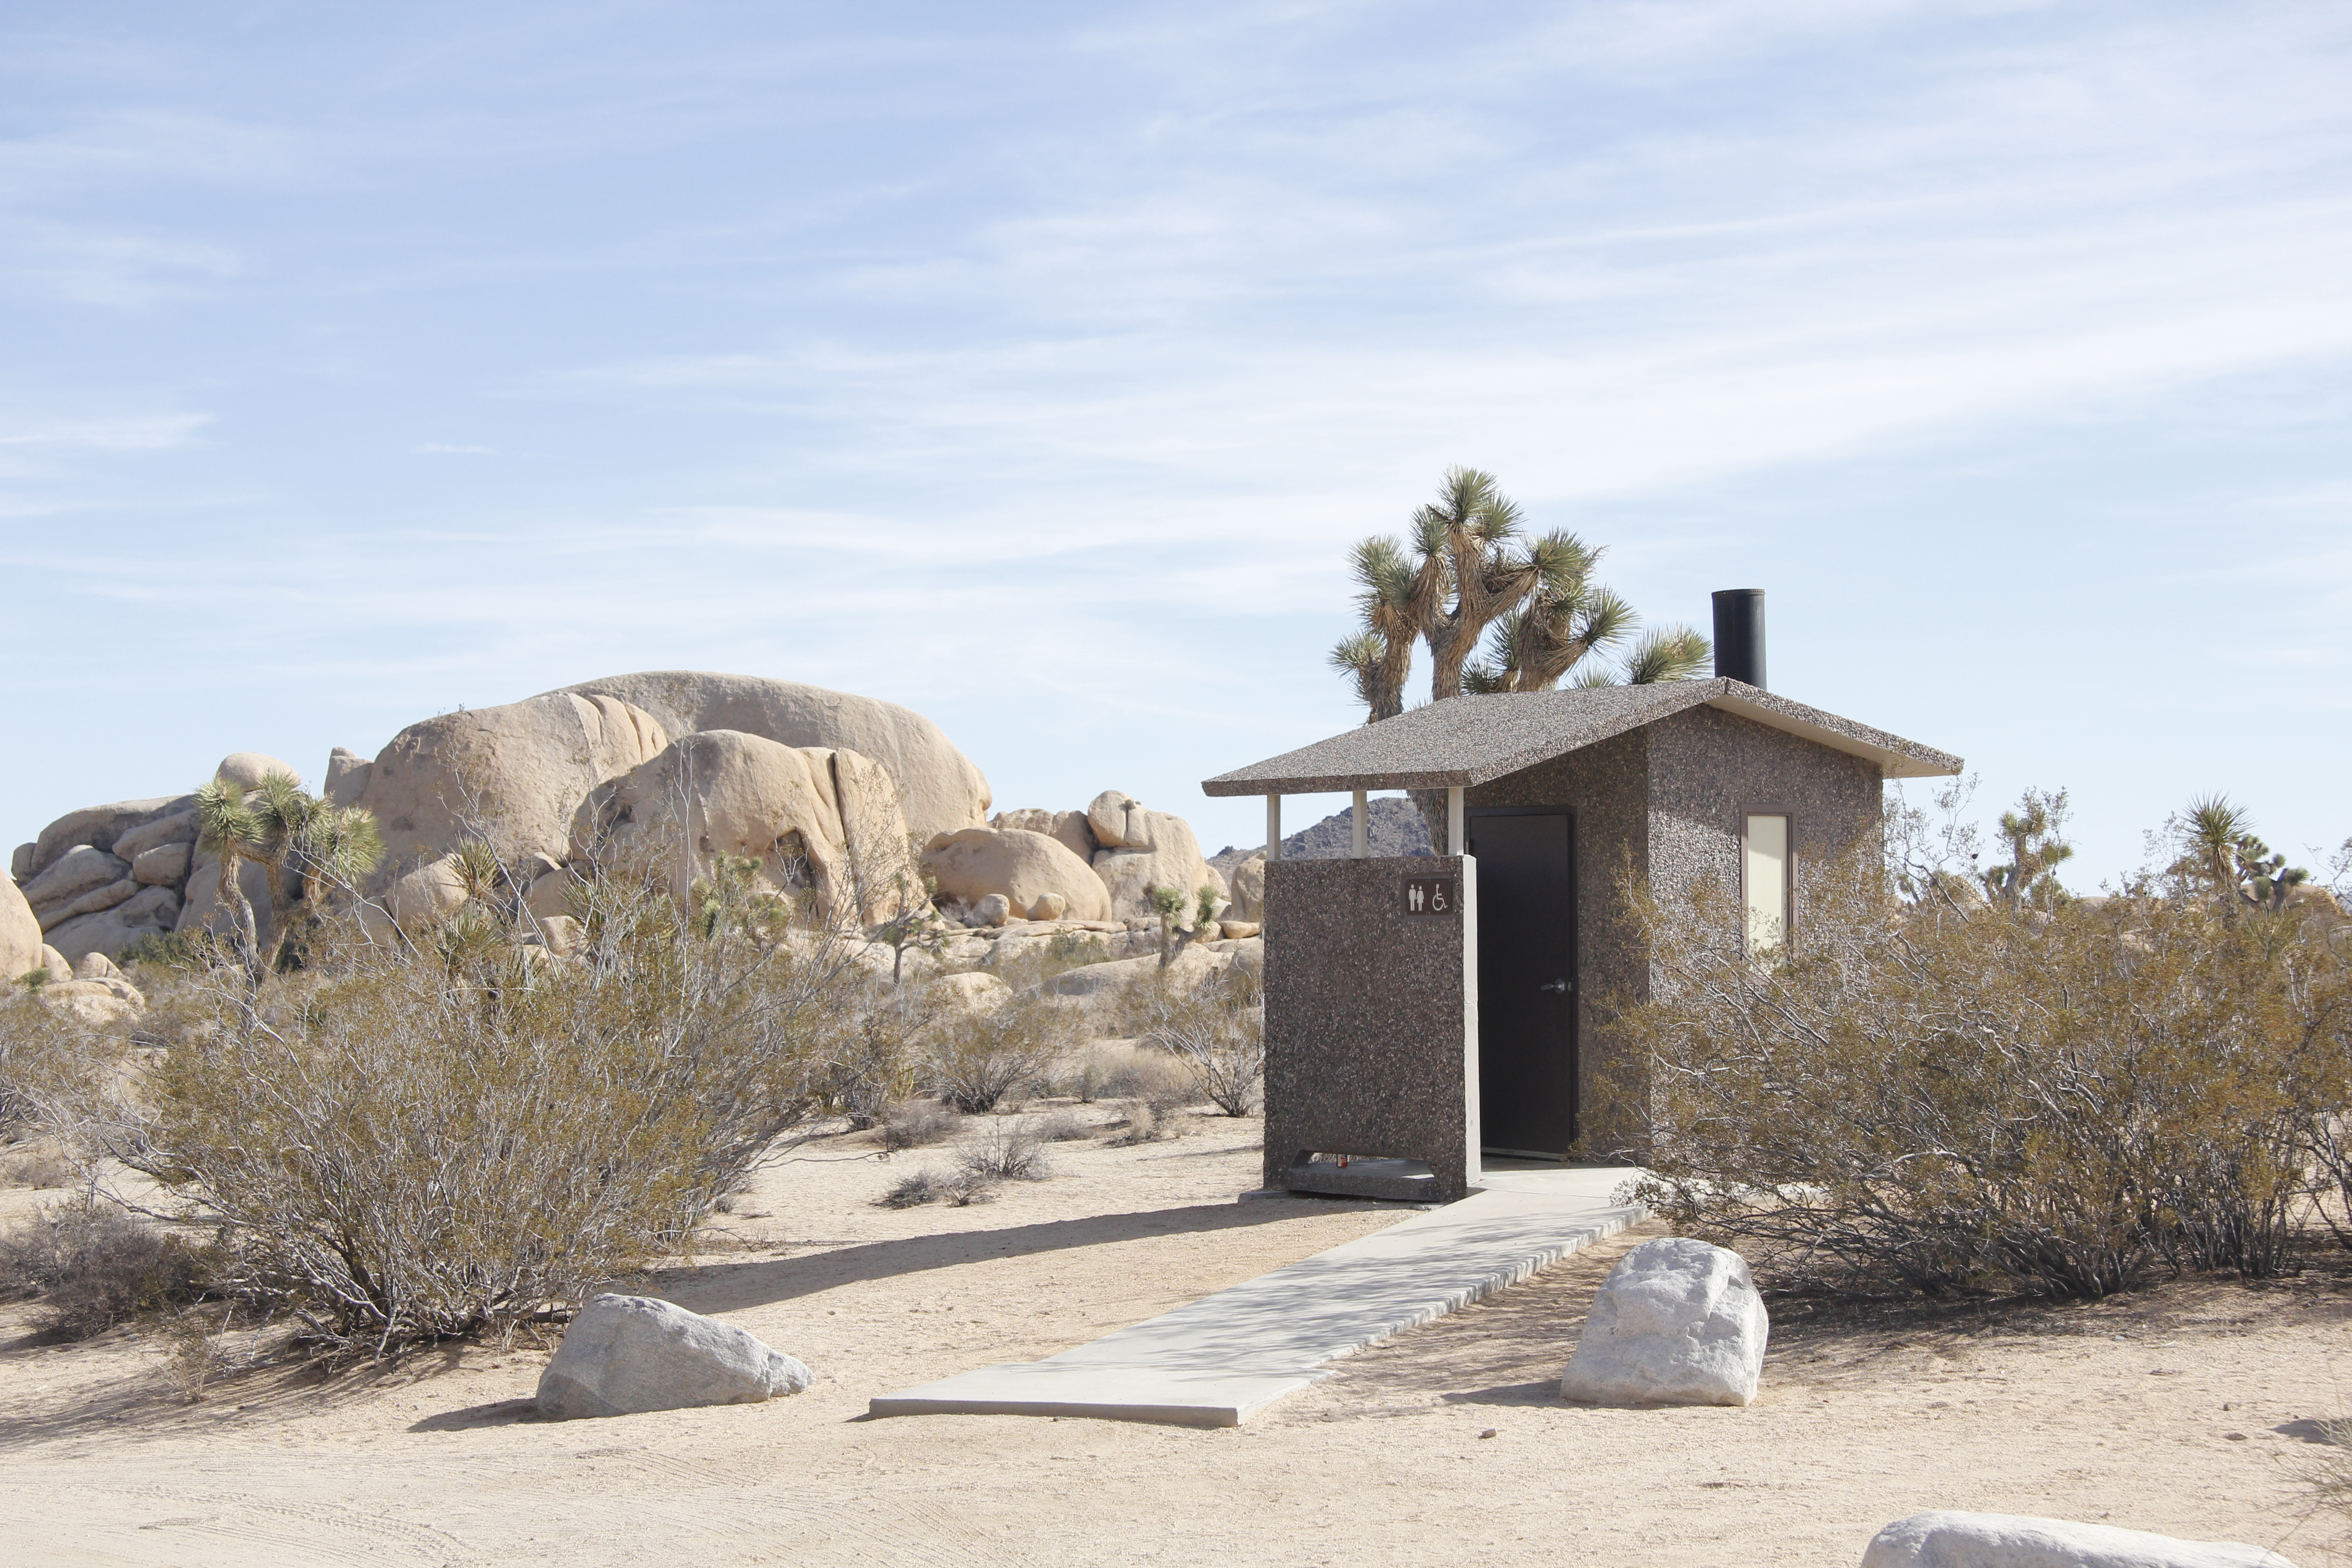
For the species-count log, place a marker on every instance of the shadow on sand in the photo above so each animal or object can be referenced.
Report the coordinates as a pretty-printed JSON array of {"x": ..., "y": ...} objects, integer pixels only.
[{"x": 729, "y": 1286}]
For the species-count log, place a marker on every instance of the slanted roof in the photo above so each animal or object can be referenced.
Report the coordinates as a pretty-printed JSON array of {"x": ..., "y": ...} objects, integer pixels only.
[{"x": 1471, "y": 740}]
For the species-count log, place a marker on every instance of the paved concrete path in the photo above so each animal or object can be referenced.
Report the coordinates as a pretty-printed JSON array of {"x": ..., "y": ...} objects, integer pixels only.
[{"x": 1219, "y": 1360}]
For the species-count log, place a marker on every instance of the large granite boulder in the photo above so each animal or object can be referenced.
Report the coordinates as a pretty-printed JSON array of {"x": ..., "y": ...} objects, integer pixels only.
[
  {"x": 20, "y": 935},
  {"x": 1247, "y": 885},
  {"x": 1070, "y": 828},
  {"x": 1677, "y": 1322},
  {"x": 518, "y": 772},
  {"x": 1018, "y": 865},
  {"x": 247, "y": 769},
  {"x": 1952, "y": 1540},
  {"x": 177, "y": 830},
  {"x": 1143, "y": 849},
  {"x": 79, "y": 872},
  {"x": 623, "y": 1356},
  {"x": 719, "y": 792},
  {"x": 885, "y": 874},
  {"x": 203, "y": 908},
  {"x": 940, "y": 790}
]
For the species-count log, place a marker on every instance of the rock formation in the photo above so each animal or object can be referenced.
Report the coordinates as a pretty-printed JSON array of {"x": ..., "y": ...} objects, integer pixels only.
[
  {"x": 515, "y": 774},
  {"x": 1024, "y": 867},
  {"x": 940, "y": 790}
]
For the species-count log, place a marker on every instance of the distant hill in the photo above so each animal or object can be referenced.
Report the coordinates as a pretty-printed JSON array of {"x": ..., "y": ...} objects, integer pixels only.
[{"x": 1396, "y": 829}]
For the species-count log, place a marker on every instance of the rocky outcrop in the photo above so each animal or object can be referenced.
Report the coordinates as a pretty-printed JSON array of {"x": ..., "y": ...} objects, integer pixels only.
[
  {"x": 98, "y": 826},
  {"x": 940, "y": 790},
  {"x": 20, "y": 934},
  {"x": 1677, "y": 1322},
  {"x": 722, "y": 792},
  {"x": 1247, "y": 885},
  {"x": 516, "y": 772},
  {"x": 626, "y": 1354},
  {"x": 1143, "y": 849},
  {"x": 1018, "y": 865}
]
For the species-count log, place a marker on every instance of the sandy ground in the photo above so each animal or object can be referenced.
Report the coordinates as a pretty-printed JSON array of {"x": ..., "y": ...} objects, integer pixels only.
[{"x": 1446, "y": 1445}]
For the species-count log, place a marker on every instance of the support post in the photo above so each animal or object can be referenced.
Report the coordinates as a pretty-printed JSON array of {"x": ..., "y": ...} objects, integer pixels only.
[
  {"x": 1273, "y": 827},
  {"x": 1454, "y": 823},
  {"x": 1363, "y": 829}
]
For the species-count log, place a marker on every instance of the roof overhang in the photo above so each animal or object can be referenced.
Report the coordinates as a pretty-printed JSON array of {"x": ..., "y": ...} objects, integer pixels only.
[{"x": 1471, "y": 740}]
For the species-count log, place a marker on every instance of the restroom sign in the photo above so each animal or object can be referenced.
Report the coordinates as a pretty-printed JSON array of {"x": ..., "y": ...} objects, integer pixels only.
[{"x": 1440, "y": 896}]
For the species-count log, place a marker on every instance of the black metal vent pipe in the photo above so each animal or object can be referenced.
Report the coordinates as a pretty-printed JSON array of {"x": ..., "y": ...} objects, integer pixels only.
[{"x": 1739, "y": 635}]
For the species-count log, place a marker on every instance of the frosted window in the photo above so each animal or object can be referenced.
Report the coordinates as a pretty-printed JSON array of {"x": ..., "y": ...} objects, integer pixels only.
[{"x": 1767, "y": 868}]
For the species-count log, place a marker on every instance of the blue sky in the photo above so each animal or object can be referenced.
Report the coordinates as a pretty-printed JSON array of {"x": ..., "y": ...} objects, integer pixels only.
[{"x": 1034, "y": 365}]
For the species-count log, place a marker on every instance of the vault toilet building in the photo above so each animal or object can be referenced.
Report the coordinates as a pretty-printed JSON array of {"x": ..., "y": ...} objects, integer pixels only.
[{"x": 1420, "y": 1013}]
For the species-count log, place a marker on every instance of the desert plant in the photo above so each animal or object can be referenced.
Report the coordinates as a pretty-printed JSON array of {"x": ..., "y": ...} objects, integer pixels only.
[
  {"x": 1060, "y": 1127},
  {"x": 979, "y": 1058},
  {"x": 1146, "y": 1118},
  {"x": 460, "y": 1134},
  {"x": 38, "y": 1169},
  {"x": 961, "y": 1188},
  {"x": 1169, "y": 904},
  {"x": 2035, "y": 833},
  {"x": 1954, "y": 1098},
  {"x": 94, "y": 1265},
  {"x": 911, "y": 1124},
  {"x": 1215, "y": 1028},
  {"x": 1005, "y": 1152}
]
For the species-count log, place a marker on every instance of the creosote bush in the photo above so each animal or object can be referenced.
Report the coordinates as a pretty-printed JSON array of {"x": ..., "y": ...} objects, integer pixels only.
[
  {"x": 1214, "y": 1028},
  {"x": 980, "y": 1056},
  {"x": 93, "y": 1265},
  {"x": 455, "y": 1132},
  {"x": 1954, "y": 1096},
  {"x": 1005, "y": 1152}
]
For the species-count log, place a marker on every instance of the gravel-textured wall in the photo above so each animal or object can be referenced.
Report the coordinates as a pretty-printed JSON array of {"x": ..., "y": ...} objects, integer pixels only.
[{"x": 1371, "y": 1018}]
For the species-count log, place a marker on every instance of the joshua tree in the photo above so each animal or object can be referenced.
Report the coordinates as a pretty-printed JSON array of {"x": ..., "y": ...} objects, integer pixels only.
[
  {"x": 2036, "y": 836},
  {"x": 277, "y": 824},
  {"x": 2220, "y": 849},
  {"x": 1169, "y": 904},
  {"x": 1470, "y": 572}
]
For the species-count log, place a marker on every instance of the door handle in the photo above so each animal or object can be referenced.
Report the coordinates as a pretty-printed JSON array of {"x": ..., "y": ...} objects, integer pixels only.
[{"x": 1557, "y": 987}]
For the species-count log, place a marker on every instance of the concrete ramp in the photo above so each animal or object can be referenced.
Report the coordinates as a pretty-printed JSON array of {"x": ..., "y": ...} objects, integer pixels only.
[{"x": 1219, "y": 1360}]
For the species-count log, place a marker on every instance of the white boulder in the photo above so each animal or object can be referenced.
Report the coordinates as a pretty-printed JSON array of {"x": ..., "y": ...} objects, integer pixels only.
[
  {"x": 626, "y": 1354},
  {"x": 938, "y": 789},
  {"x": 347, "y": 776},
  {"x": 1953, "y": 1540},
  {"x": 1677, "y": 1322}
]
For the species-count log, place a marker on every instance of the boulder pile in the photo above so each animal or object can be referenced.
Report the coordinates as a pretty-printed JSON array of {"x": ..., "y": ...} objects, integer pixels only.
[{"x": 865, "y": 806}]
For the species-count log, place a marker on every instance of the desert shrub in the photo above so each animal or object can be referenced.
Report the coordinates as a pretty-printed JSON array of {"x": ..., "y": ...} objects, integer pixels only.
[
  {"x": 37, "y": 1170},
  {"x": 1952, "y": 1095},
  {"x": 980, "y": 1056},
  {"x": 1060, "y": 1127},
  {"x": 163, "y": 950},
  {"x": 915, "y": 1122},
  {"x": 961, "y": 1188},
  {"x": 455, "y": 1134},
  {"x": 93, "y": 1265},
  {"x": 1005, "y": 1152},
  {"x": 1215, "y": 1029}
]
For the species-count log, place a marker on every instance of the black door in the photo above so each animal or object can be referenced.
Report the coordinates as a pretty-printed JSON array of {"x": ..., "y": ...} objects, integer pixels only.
[{"x": 1527, "y": 980}]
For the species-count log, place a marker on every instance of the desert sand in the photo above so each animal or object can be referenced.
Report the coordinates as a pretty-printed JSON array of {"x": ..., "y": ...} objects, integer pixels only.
[{"x": 2174, "y": 1409}]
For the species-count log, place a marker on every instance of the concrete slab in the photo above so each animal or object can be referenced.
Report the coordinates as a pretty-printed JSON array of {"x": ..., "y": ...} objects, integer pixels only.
[{"x": 1219, "y": 1360}]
